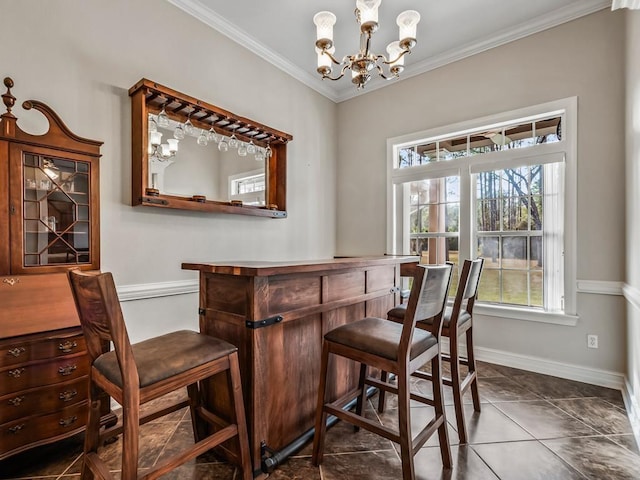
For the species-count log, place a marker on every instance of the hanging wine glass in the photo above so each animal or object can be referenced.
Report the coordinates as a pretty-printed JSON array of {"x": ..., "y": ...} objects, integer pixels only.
[
  {"x": 233, "y": 142},
  {"x": 178, "y": 132},
  {"x": 203, "y": 139},
  {"x": 213, "y": 136},
  {"x": 153, "y": 126},
  {"x": 259, "y": 155},
  {"x": 242, "y": 149},
  {"x": 223, "y": 146},
  {"x": 189, "y": 129},
  {"x": 268, "y": 151},
  {"x": 251, "y": 148},
  {"x": 163, "y": 118}
]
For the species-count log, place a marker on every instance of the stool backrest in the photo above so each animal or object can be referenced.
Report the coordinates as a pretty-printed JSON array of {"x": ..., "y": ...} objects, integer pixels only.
[
  {"x": 427, "y": 300},
  {"x": 467, "y": 290},
  {"x": 101, "y": 316}
]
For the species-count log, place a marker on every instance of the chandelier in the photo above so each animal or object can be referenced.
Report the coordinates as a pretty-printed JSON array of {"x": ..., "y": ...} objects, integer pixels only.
[{"x": 365, "y": 62}]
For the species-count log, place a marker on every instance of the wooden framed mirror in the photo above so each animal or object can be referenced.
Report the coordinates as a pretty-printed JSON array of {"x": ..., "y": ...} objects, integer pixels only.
[{"x": 188, "y": 154}]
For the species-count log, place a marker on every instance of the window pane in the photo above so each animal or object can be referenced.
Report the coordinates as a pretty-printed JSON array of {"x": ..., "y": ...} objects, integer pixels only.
[
  {"x": 453, "y": 217},
  {"x": 488, "y": 216},
  {"x": 514, "y": 252},
  {"x": 515, "y": 287},
  {"x": 520, "y": 136},
  {"x": 488, "y": 185},
  {"x": 536, "y": 289},
  {"x": 488, "y": 248},
  {"x": 536, "y": 253},
  {"x": 515, "y": 213},
  {"x": 407, "y": 157},
  {"x": 489, "y": 287},
  {"x": 549, "y": 130},
  {"x": 536, "y": 212},
  {"x": 427, "y": 153},
  {"x": 452, "y": 148}
]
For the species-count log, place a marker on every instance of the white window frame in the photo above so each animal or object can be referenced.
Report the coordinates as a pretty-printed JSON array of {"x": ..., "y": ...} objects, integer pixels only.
[{"x": 396, "y": 199}]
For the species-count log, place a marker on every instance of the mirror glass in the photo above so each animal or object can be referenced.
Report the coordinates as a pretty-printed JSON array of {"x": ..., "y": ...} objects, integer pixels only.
[{"x": 186, "y": 161}]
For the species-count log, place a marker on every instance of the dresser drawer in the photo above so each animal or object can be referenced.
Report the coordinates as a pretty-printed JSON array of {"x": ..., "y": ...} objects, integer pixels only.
[
  {"x": 38, "y": 374},
  {"x": 43, "y": 400},
  {"x": 30, "y": 430},
  {"x": 32, "y": 348}
]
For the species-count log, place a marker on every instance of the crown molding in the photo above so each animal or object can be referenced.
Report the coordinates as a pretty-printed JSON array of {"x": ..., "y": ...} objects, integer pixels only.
[
  {"x": 577, "y": 9},
  {"x": 231, "y": 31}
]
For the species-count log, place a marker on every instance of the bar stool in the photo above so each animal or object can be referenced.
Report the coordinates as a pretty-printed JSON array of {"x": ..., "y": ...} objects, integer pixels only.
[
  {"x": 136, "y": 374},
  {"x": 400, "y": 349},
  {"x": 458, "y": 321}
]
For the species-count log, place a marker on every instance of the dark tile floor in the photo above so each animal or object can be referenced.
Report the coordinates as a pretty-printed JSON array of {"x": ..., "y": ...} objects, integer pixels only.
[{"x": 531, "y": 427}]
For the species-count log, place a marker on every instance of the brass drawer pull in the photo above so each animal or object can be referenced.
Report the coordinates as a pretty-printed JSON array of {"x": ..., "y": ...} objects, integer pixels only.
[
  {"x": 16, "y": 401},
  {"x": 16, "y": 373},
  {"x": 16, "y": 429},
  {"x": 65, "y": 422},
  {"x": 11, "y": 281},
  {"x": 16, "y": 352},
  {"x": 67, "y": 370},
  {"x": 68, "y": 395},
  {"x": 67, "y": 346}
]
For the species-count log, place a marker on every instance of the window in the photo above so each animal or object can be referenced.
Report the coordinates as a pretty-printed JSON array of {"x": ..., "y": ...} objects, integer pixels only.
[
  {"x": 503, "y": 188},
  {"x": 249, "y": 187}
]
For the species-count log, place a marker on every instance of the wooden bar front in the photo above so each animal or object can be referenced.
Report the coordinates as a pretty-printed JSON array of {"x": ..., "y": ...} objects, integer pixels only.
[{"x": 277, "y": 314}]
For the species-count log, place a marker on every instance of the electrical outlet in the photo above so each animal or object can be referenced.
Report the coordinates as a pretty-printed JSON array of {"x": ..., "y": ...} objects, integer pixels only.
[{"x": 592, "y": 341}]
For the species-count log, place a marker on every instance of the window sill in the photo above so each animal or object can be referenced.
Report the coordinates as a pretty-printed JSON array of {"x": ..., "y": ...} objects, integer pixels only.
[{"x": 514, "y": 313}]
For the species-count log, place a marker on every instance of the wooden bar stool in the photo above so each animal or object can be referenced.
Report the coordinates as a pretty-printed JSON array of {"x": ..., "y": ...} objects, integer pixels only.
[
  {"x": 400, "y": 349},
  {"x": 458, "y": 321},
  {"x": 136, "y": 374}
]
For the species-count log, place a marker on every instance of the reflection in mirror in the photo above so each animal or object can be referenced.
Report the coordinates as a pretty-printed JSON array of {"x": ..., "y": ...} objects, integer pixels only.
[{"x": 191, "y": 161}]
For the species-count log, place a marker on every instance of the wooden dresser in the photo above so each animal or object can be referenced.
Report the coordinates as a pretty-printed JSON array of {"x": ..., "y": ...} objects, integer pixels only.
[
  {"x": 49, "y": 222},
  {"x": 43, "y": 392}
]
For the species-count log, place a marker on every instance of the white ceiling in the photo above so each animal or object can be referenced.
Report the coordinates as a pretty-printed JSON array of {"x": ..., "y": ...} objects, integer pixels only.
[{"x": 282, "y": 31}]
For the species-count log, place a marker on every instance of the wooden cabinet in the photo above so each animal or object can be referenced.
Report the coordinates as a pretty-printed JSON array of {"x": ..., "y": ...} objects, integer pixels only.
[
  {"x": 49, "y": 222},
  {"x": 277, "y": 314}
]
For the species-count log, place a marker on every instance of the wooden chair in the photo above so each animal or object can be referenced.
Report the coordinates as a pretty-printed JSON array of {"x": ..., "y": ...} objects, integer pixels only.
[
  {"x": 135, "y": 374},
  {"x": 458, "y": 321},
  {"x": 400, "y": 349}
]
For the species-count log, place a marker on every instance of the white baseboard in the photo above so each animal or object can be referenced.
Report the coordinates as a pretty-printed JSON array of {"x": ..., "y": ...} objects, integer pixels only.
[
  {"x": 633, "y": 409},
  {"x": 578, "y": 373}
]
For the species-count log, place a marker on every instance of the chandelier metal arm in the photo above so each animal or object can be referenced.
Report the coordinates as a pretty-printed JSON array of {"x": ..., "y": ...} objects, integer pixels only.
[
  {"x": 389, "y": 62},
  {"x": 344, "y": 69}
]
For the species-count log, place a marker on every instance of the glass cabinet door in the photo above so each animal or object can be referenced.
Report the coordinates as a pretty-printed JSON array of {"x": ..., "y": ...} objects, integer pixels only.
[{"x": 56, "y": 211}]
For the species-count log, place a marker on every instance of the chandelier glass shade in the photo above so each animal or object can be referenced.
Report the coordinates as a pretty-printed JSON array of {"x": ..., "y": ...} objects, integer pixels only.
[{"x": 365, "y": 62}]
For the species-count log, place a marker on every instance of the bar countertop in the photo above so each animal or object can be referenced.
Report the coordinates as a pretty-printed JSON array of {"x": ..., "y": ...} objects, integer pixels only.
[{"x": 265, "y": 269}]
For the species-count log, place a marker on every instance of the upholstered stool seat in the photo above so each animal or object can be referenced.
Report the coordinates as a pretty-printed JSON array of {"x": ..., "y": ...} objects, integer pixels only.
[
  {"x": 379, "y": 337},
  {"x": 166, "y": 356}
]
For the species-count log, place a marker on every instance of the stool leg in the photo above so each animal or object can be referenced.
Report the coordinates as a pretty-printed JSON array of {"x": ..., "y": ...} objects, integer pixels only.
[
  {"x": 240, "y": 418},
  {"x": 438, "y": 403},
  {"x": 404, "y": 424},
  {"x": 457, "y": 392},
  {"x": 92, "y": 435},
  {"x": 130, "y": 434},
  {"x": 362, "y": 394},
  {"x": 321, "y": 416},
  {"x": 472, "y": 370},
  {"x": 195, "y": 402},
  {"x": 381, "y": 393}
]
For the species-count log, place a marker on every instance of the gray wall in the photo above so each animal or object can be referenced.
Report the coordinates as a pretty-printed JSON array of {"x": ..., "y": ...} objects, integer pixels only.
[
  {"x": 632, "y": 288},
  {"x": 81, "y": 57},
  {"x": 583, "y": 58}
]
